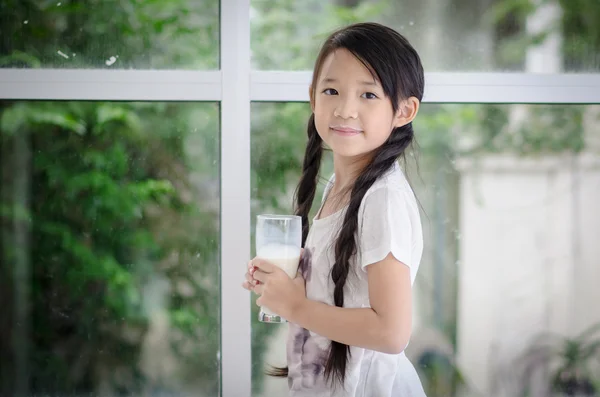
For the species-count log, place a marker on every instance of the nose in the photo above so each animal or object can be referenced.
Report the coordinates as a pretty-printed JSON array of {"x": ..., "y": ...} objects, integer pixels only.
[{"x": 346, "y": 108}]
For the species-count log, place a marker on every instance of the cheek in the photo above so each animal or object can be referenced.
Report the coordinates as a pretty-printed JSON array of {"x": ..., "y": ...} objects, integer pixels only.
[
  {"x": 321, "y": 118},
  {"x": 322, "y": 124},
  {"x": 380, "y": 125},
  {"x": 322, "y": 105}
]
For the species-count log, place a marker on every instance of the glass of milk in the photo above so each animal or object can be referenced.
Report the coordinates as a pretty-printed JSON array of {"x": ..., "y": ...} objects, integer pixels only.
[{"x": 279, "y": 241}]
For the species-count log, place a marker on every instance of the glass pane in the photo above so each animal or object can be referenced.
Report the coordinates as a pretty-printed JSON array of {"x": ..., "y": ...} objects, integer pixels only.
[
  {"x": 126, "y": 34},
  {"x": 277, "y": 149},
  {"x": 510, "y": 199},
  {"x": 109, "y": 249},
  {"x": 451, "y": 35}
]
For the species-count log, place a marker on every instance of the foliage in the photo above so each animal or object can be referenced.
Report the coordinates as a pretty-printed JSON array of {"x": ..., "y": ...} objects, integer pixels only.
[
  {"x": 572, "y": 362},
  {"x": 109, "y": 34},
  {"x": 288, "y": 34},
  {"x": 578, "y": 27},
  {"x": 113, "y": 216},
  {"x": 112, "y": 212},
  {"x": 441, "y": 374},
  {"x": 525, "y": 130}
]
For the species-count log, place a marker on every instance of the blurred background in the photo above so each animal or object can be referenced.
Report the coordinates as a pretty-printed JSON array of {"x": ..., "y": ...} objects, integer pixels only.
[{"x": 109, "y": 211}]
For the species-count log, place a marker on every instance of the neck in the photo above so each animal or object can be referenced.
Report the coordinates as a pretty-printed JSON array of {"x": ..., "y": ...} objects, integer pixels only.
[{"x": 346, "y": 170}]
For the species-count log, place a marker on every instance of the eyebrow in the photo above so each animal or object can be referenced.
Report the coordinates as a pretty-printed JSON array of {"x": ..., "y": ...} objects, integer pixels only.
[{"x": 363, "y": 82}]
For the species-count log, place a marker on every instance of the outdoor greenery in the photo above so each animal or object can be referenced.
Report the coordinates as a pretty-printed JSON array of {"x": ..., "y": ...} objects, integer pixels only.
[
  {"x": 109, "y": 211},
  {"x": 573, "y": 363},
  {"x": 112, "y": 213}
]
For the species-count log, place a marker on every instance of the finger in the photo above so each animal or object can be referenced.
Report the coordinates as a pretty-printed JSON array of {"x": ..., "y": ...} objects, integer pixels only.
[
  {"x": 260, "y": 276},
  {"x": 250, "y": 279},
  {"x": 259, "y": 289},
  {"x": 250, "y": 265},
  {"x": 248, "y": 286},
  {"x": 264, "y": 265}
]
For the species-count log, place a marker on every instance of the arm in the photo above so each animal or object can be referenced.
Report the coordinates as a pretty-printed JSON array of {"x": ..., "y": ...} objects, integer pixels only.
[{"x": 384, "y": 327}]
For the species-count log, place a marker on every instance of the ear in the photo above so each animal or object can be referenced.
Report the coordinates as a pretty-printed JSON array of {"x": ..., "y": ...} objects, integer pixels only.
[
  {"x": 407, "y": 111},
  {"x": 312, "y": 98}
]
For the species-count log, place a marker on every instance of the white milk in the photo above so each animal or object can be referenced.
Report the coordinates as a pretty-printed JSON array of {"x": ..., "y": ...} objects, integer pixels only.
[{"x": 287, "y": 257}]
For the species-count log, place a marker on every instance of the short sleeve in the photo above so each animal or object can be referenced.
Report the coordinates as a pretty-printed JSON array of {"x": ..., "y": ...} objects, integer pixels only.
[{"x": 385, "y": 225}]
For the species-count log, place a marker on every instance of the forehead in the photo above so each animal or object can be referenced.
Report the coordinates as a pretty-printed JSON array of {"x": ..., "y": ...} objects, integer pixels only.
[{"x": 342, "y": 65}]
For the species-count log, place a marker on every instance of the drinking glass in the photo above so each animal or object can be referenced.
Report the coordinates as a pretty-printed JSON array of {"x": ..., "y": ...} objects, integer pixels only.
[{"x": 279, "y": 241}]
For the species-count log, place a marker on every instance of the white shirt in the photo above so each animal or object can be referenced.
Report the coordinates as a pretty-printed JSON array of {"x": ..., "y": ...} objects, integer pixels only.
[{"x": 389, "y": 221}]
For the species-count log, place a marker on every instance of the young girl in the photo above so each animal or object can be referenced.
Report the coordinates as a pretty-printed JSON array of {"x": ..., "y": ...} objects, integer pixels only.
[{"x": 349, "y": 309}]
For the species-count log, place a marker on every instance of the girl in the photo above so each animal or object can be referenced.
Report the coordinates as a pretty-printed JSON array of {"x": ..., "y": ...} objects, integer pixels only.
[{"x": 349, "y": 309}]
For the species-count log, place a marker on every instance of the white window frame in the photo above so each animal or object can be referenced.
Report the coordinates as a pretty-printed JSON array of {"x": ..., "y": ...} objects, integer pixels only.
[{"x": 234, "y": 87}]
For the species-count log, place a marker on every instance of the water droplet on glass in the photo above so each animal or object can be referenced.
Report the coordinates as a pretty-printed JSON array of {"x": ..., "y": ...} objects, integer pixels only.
[
  {"x": 62, "y": 54},
  {"x": 25, "y": 22},
  {"x": 110, "y": 61},
  {"x": 411, "y": 23},
  {"x": 58, "y": 4}
]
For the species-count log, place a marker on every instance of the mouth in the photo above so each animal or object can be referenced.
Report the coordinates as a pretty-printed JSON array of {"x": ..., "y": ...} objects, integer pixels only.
[{"x": 345, "y": 131}]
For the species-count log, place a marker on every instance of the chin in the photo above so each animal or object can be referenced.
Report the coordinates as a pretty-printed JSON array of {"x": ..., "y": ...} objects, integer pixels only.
[
  {"x": 347, "y": 152},
  {"x": 345, "y": 147}
]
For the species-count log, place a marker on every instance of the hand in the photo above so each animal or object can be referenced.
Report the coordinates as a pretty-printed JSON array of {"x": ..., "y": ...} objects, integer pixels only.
[{"x": 277, "y": 290}]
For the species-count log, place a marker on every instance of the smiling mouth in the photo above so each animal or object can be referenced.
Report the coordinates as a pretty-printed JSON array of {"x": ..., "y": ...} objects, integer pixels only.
[{"x": 346, "y": 131}]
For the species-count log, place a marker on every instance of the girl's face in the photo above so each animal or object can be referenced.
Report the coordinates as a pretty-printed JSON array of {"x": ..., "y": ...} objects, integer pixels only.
[{"x": 352, "y": 114}]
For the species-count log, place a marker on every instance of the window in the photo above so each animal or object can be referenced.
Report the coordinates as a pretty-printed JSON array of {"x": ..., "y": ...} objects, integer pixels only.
[
  {"x": 200, "y": 110},
  {"x": 454, "y": 36},
  {"x": 180, "y": 34},
  {"x": 110, "y": 269},
  {"x": 508, "y": 194}
]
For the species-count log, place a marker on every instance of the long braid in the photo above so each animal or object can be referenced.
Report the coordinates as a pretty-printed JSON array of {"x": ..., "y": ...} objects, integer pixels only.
[
  {"x": 305, "y": 195},
  {"x": 346, "y": 248},
  {"x": 307, "y": 187}
]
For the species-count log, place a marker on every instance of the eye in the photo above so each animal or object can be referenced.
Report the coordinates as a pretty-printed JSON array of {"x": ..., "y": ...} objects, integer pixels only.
[
  {"x": 330, "y": 91},
  {"x": 370, "y": 95}
]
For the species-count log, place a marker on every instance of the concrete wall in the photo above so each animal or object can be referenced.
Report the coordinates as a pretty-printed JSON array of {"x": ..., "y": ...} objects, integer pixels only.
[{"x": 529, "y": 249}]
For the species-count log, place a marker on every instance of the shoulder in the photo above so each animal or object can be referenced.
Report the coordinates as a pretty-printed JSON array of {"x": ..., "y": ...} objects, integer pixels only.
[
  {"x": 391, "y": 190},
  {"x": 389, "y": 221}
]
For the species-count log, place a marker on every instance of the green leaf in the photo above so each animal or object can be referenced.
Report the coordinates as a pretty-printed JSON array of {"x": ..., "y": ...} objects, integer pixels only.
[
  {"x": 63, "y": 120},
  {"x": 20, "y": 59},
  {"x": 13, "y": 119},
  {"x": 109, "y": 113},
  {"x": 502, "y": 9}
]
